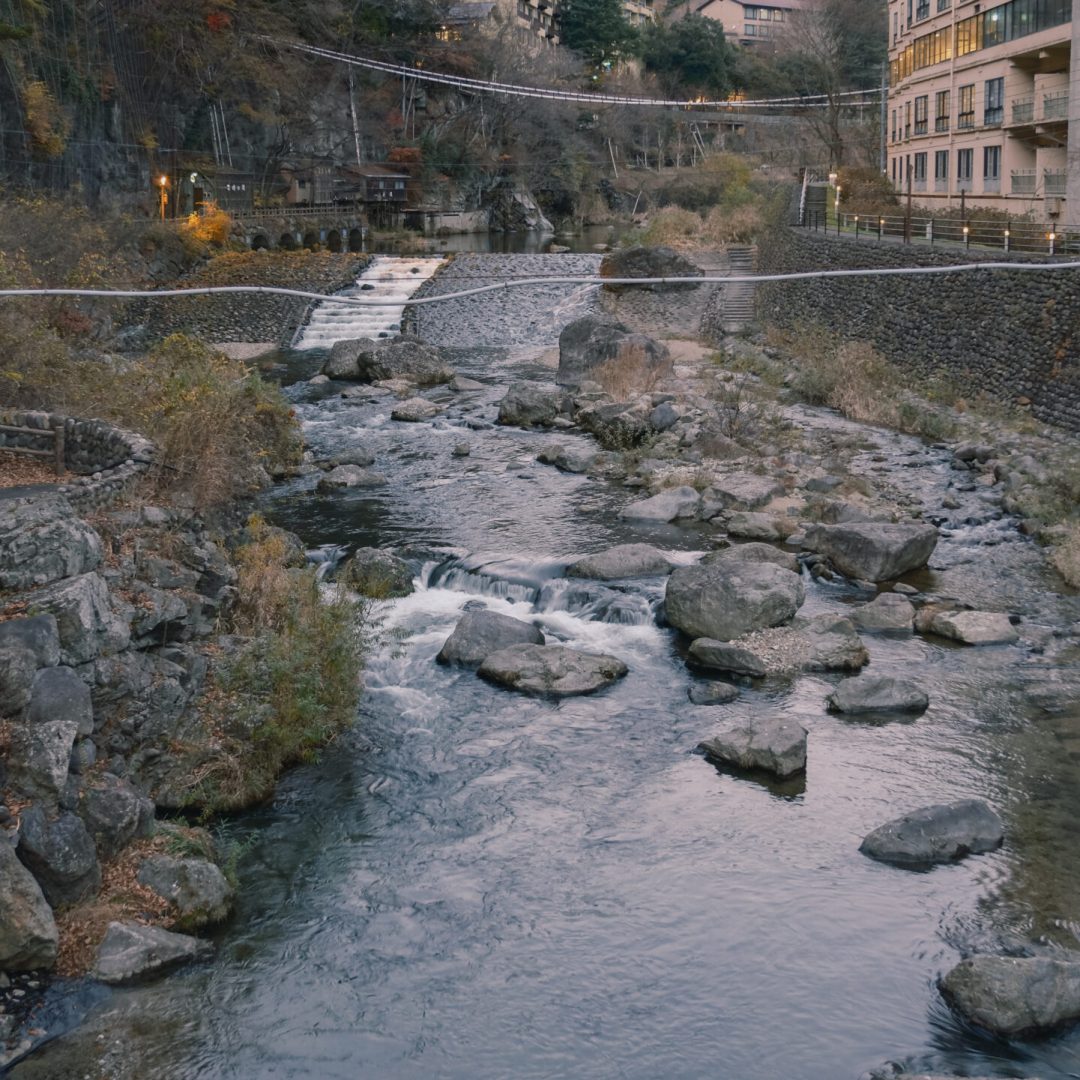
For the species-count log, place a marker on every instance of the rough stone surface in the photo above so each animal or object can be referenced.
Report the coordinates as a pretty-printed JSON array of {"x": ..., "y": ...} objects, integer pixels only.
[
  {"x": 350, "y": 476},
  {"x": 569, "y": 459},
  {"x": 415, "y": 410},
  {"x": 115, "y": 812},
  {"x": 84, "y": 620},
  {"x": 775, "y": 745},
  {"x": 871, "y": 551},
  {"x": 60, "y": 854},
  {"x": 40, "y": 756},
  {"x": 529, "y": 405},
  {"x": 934, "y": 834},
  {"x": 974, "y": 627},
  {"x": 726, "y": 656},
  {"x": 596, "y": 341},
  {"x": 615, "y": 426},
  {"x": 754, "y": 552},
  {"x": 399, "y": 358},
  {"x": 834, "y": 645},
  {"x": 746, "y": 491},
  {"x": 196, "y": 888},
  {"x": 25, "y": 646},
  {"x": 551, "y": 670},
  {"x": 480, "y": 633},
  {"x": 28, "y": 936},
  {"x": 343, "y": 361},
  {"x": 378, "y": 574},
  {"x": 879, "y": 693},
  {"x": 354, "y": 455},
  {"x": 43, "y": 540},
  {"x": 130, "y": 952},
  {"x": 728, "y": 599},
  {"x": 1014, "y": 995},
  {"x": 712, "y": 693},
  {"x": 59, "y": 694},
  {"x": 678, "y": 502},
  {"x": 887, "y": 611},
  {"x": 622, "y": 561}
]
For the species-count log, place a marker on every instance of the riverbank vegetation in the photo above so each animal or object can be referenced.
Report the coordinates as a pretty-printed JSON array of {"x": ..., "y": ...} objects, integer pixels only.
[{"x": 288, "y": 682}]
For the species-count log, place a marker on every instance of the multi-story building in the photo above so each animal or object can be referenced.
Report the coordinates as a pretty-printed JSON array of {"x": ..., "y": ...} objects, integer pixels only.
[
  {"x": 979, "y": 106},
  {"x": 748, "y": 24}
]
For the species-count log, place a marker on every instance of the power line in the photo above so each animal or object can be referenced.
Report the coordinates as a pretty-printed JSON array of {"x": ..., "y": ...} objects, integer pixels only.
[
  {"x": 354, "y": 301},
  {"x": 810, "y": 101}
]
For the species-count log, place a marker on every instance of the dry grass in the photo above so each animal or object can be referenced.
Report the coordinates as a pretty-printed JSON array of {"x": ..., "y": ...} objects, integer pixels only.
[
  {"x": 17, "y": 470},
  {"x": 689, "y": 230},
  {"x": 627, "y": 374}
]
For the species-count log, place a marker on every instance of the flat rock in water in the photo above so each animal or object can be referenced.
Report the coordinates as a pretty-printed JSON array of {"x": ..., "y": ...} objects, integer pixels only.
[
  {"x": 350, "y": 476},
  {"x": 880, "y": 693},
  {"x": 131, "y": 951},
  {"x": 196, "y": 887},
  {"x": 871, "y": 551},
  {"x": 551, "y": 670},
  {"x": 730, "y": 598},
  {"x": 712, "y": 693},
  {"x": 569, "y": 459},
  {"x": 776, "y": 745},
  {"x": 529, "y": 405},
  {"x": 460, "y": 383},
  {"x": 746, "y": 491},
  {"x": 935, "y": 834},
  {"x": 679, "y": 502},
  {"x": 1015, "y": 995},
  {"x": 622, "y": 561},
  {"x": 974, "y": 627},
  {"x": 414, "y": 410},
  {"x": 887, "y": 612},
  {"x": 727, "y": 656},
  {"x": 480, "y": 633},
  {"x": 354, "y": 455},
  {"x": 754, "y": 525},
  {"x": 756, "y": 552}
]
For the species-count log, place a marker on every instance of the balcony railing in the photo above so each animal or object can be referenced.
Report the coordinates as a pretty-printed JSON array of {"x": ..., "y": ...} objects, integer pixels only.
[
  {"x": 1055, "y": 181},
  {"x": 1023, "y": 182},
  {"x": 1056, "y": 106},
  {"x": 1023, "y": 110}
]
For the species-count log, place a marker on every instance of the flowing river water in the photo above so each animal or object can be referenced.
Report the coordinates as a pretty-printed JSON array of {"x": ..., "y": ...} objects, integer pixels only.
[{"x": 476, "y": 884}]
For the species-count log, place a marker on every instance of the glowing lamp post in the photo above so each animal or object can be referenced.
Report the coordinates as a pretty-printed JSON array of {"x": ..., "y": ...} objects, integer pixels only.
[{"x": 163, "y": 187}]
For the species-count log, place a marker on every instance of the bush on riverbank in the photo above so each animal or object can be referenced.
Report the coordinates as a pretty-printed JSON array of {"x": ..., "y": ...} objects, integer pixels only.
[{"x": 291, "y": 685}]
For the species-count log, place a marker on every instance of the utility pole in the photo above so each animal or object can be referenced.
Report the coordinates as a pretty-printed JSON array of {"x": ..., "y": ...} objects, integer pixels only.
[{"x": 907, "y": 215}]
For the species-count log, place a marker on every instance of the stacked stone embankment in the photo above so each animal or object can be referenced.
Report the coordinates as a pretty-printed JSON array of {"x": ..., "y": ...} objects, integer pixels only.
[
  {"x": 104, "y": 459},
  {"x": 1008, "y": 334}
]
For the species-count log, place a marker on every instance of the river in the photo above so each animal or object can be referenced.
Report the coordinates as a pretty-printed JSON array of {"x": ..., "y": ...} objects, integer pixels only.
[{"x": 480, "y": 885}]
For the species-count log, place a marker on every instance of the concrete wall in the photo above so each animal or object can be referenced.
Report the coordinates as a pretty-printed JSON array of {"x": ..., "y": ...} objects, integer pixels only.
[{"x": 1012, "y": 335}]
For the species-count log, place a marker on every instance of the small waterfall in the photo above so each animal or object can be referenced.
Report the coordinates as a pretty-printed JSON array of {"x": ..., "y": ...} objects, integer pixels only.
[{"x": 387, "y": 278}]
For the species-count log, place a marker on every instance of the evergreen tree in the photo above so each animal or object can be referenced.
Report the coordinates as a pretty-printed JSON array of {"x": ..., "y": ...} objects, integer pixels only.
[
  {"x": 597, "y": 30},
  {"x": 690, "y": 57}
]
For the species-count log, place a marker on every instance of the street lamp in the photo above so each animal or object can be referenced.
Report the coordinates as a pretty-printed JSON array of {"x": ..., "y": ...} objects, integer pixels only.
[{"x": 163, "y": 184}]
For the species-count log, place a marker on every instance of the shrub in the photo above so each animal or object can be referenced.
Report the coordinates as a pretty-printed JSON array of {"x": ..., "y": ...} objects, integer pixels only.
[
  {"x": 211, "y": 225},
  {"x": 290, "y": 688},
  {"x": 627, "y": 374}
]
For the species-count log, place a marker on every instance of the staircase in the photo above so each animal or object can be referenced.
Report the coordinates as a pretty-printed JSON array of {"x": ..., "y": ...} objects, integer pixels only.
[{"x": 738, "y": 298}]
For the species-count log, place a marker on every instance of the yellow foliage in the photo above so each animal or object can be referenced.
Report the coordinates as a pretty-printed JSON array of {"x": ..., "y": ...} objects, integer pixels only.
[
  {"x": 46, "y": 123},
  {"x": 211, "y": 225}
]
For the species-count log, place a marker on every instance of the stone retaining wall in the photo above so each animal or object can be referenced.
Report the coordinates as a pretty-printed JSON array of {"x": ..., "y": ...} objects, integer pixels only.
[
  {"x": 105, "y": 459},
  {"x": 1014, "y": 336}
]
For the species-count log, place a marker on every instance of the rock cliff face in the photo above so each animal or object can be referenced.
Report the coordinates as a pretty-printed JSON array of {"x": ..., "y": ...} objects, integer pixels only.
[{"x": 104, "y": 635}]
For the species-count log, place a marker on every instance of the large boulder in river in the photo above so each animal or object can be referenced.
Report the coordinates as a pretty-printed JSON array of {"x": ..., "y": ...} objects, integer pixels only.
[
  {"x": 615, "y": 426},
  {"x": 668, "y": 505},
  {"x": 630, "y": 361},
  {"x": 196, "y": 888},
  {"x": 754, "y": 552},
  {"x": 777, "y": 745},
  {"x": 42, "y": 540},
  {"x": 480, "y": 633},
  {"x": 529, "y": 405},
  {"x": 880, "y": 693},
  {"x": 415, "y": 410},
  {"x": 28, "y": 935},
  {"x": 872, "y": 551},
  {"x": 974, "y": 627},
  {"x": 551, "y": 670},
  {"x": 622, "y": 561},
  {"x": 889, "y": 612},
  {"x": 726, "y": 656},
  {"x": 728, "y": 599},
  {"x": 935, "y": 834},
  {"x": 400, "y": 358},
  {"x": 648, "y": 262},
  {"x": 1015, "y": 995},
  {"x": 378, "y": 574}
]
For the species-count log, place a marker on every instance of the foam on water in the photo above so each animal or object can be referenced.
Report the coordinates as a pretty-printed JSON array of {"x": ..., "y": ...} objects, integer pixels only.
[{"x": 392, "y": 278}]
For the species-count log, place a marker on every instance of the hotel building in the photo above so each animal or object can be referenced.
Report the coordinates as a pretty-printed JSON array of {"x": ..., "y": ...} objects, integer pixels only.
[{"x": 982, "y": 97}]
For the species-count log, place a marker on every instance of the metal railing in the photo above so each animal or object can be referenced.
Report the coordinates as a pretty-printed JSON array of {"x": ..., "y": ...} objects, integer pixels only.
[
  {"x": 1056, "y": 106},
  {"x": 1023, "y": 110},
  {"x": 261, "y": 213},
  {"x": 1023, "y": 182},
  {"x": 1043, "y": 238},
  {"x": 1055, "y": 181}
]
